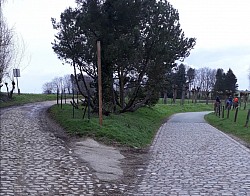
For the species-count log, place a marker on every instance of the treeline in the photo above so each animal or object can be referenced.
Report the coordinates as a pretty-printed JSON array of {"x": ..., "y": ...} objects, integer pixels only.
[
  {"x": 140, "y": 42},
  {"x": 199, "y": 83},
  {"x": 58, "y": 85}
]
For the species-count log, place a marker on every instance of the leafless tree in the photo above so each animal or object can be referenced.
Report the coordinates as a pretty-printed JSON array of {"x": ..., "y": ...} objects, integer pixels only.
[
  {"x": 48, "y": 88},
  {"x": 12, "y": 51},
  {"x": 6, "y": 45},
  {"x": 57, "y": 84},
  {"x": 205, "y": 80},
  {"x": 67, "y": 83}
]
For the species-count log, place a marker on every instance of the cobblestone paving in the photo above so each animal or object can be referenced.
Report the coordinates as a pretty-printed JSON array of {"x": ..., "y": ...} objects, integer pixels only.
[
  {"x": 35, "y": 162},
  {"x": 195, "y": 159},
  {"x": 185, "y": 159}
]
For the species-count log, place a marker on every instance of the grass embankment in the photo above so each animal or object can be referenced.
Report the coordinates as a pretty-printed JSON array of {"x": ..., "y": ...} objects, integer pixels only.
[
  {"x": 23, "y": 99},
  {"x": 134, "y": 129},
  {"x": 227, "y": 125},
  {"x": 131, "y": 129}
]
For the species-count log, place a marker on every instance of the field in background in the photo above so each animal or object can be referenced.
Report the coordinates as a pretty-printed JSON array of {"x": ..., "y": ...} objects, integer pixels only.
[
  {"x": 134, "y": 129},
  {"x": 228, "y": 125},
  {"x": 24, "y": 98}
]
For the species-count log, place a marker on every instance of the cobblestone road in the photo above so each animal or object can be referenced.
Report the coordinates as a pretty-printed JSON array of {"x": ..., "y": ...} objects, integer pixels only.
[
  {"x": 35, "y": 162},
  {"x": 190, "y": 157}
]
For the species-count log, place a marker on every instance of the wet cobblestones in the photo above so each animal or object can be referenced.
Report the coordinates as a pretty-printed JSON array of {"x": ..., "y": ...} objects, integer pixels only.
[
  {"x": 195, "y": 159},
  {"x": 34, "y": 162},
  {"x": 185, "y": 159}
]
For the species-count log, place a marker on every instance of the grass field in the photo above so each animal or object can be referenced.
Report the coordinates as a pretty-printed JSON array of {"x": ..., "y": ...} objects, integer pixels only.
[
  {"x": 24, "y": 98},
  {"x": 135, "y": 129},
  {"x": 228, "y": 125}
]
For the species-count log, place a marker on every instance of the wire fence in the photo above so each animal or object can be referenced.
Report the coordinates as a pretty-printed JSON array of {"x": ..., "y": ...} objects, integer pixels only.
[{"x": 242, "y": 111}]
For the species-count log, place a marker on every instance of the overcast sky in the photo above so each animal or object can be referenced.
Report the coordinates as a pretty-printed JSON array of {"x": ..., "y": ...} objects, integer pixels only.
[{"x": 222, "y": 29}]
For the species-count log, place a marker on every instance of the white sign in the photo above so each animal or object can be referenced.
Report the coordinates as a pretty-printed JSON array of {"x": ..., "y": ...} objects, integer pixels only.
[{"x": 16, "y": 72}]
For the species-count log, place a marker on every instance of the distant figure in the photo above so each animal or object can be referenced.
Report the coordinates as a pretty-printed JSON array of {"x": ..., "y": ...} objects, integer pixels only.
[
  {"x": 230, "y": 99},
  {"x": 217, "y": 99},
  {"x": 235, "y": 102},
  {"x": 216, "y": 103},
  {"x": 229, "y": 102}
]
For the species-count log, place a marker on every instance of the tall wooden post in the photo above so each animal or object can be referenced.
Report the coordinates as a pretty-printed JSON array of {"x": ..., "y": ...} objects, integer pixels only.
[{"x": 99, "y": 80}]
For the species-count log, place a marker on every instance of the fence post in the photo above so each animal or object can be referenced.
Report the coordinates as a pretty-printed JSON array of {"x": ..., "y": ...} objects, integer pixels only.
[
  {"x": 245, "y": 105},
  {"x": 57, "y": 97},
  {"x": 219, "y": 108},
  {"x": 64, "y": 96},
  {"x": 223, "y": 110},
  {"x": 248, "y": 114},
  {"x": 228, "y": 110},
  {"x": 72, "y": 104},
  {"x": 61, "y": 98},
  {"x": 236, "y": 114}
]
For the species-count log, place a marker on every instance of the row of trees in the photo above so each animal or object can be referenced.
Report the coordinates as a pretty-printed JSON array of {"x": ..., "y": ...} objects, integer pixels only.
[
  {"x": 141, "y": 41},
  {"x": 59, "y": 84},
  {"x": 202, "y": 82}
]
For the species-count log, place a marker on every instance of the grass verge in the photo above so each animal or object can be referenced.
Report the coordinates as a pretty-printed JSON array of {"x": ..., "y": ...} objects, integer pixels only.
[
  {"x": 23, "y": 99},
  {"x": 135, "y": 129},
  {"x": 227, "y": 125}
]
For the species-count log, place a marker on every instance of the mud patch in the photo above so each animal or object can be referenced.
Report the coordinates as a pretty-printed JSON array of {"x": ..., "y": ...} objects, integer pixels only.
[{"x": 105, "y": 160}]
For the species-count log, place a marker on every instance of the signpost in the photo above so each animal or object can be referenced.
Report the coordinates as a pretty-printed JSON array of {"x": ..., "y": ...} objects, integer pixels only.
[{"x": 16, "y": 73}]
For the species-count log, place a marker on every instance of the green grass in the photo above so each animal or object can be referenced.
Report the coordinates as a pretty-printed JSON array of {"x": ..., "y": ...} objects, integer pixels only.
[
  {"x": 135, "y": 129},
  {"x": 228, "y": 126},
  {"x": 23, "y": 99}
]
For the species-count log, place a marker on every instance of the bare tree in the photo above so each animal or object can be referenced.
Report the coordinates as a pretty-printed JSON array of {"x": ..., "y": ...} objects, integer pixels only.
[
  {"x": 12, "y": 51},
  {"x": 6, "y": 46},
  {"x": 67, "y": 83},
  {"x": 57, "y": 84},
  {"x": 48, "y": 88},
  {"x": 205, "y": 80}
]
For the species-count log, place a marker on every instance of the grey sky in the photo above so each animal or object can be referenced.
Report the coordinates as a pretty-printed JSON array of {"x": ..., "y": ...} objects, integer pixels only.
[{"x": 221, "y": 28}]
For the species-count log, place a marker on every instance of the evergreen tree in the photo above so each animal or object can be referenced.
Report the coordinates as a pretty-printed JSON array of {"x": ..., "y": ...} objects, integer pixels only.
[
  {"x": 226, "y": 83},
  {"x": 180, "y": 79},
  {"x": 230, "y": 82},
  {"x": 219, "y": 84},
  {"x": 140, "y": 42}
]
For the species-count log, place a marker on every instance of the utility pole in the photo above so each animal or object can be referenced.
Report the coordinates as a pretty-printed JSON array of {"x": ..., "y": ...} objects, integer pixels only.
[{"x": 99, "y": 80}]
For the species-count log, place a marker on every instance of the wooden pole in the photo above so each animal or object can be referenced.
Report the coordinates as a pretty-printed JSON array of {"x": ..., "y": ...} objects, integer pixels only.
[
  {"x": 61, "y": 97},
  {"x": 223, "y": 110},
  {"x": 99, "y": 80},
  {"x": 248, "y": 115},
  {"x": 228, "y": 110},
  {"x": 236, "y": 114},
  {"x": 73, "y": 99}
]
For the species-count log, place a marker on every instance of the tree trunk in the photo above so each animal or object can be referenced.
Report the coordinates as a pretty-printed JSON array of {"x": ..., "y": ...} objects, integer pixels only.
[
  {"x": 112, "y": 94},
  {"x": 79, "y": 89},
  {"x": 165, "y": 97},
  {"x": 183, "y": 94},
  {"x": 174, "y": 95},
  {"x": 121, "y": 84}
]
